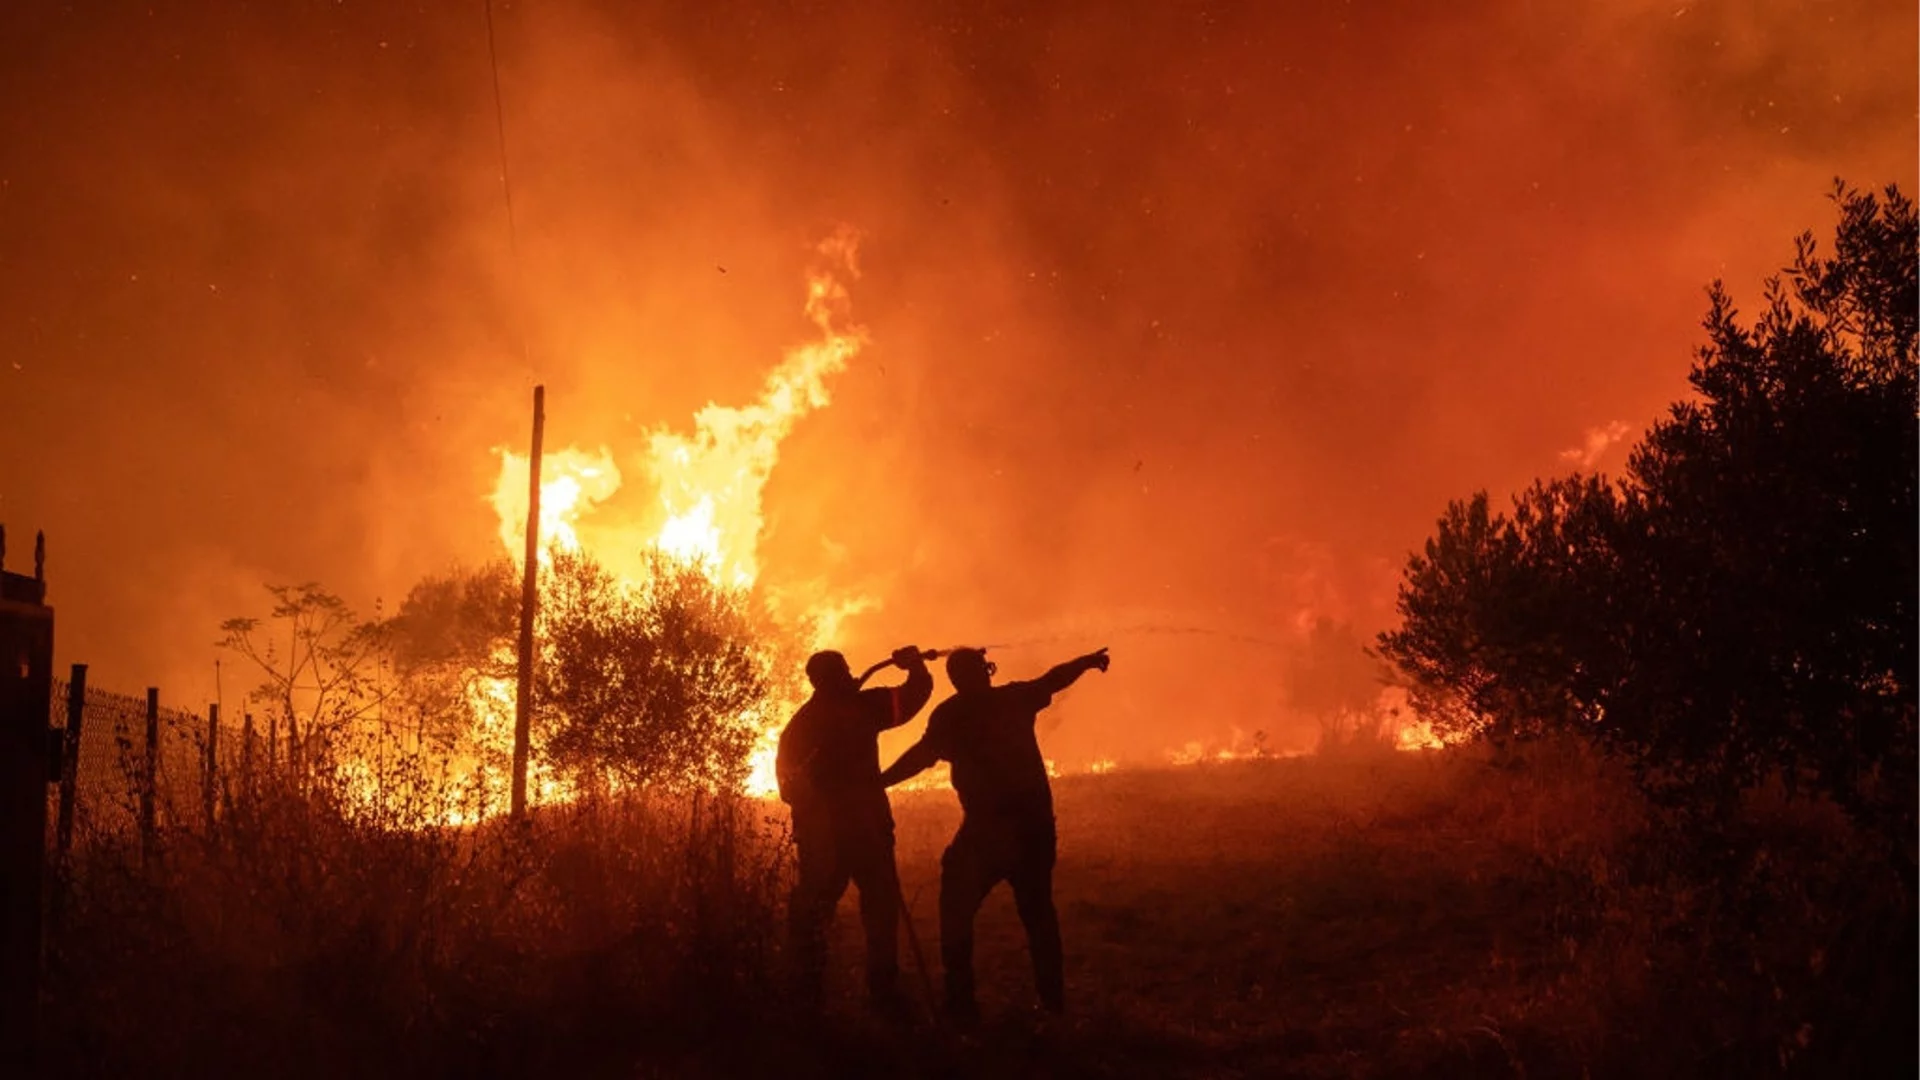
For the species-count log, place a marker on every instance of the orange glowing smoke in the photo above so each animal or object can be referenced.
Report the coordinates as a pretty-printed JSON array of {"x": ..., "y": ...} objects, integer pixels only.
[{"x": 707, "y": 513}]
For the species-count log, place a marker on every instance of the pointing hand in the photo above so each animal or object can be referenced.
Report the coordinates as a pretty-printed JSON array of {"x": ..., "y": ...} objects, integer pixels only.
[{"x": 1098, "y": 658}]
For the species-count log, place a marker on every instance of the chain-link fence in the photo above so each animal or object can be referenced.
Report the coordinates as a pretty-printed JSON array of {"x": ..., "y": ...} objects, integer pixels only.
[{"x": 138, "y": 763}]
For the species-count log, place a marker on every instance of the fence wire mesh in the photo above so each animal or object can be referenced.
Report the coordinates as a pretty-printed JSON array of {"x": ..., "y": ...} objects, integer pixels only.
[{"x": 113, "y": 773}]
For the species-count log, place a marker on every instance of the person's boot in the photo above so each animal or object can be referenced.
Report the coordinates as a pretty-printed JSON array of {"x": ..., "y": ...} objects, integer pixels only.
[
  {"x": 893, "y": 1007},
  {"x": 806, "y": 986},
  {"x": 808, "y": 995},
  {"x": 961, "y": 1009},
  {"x": 1054, "y": 1000},
  {"x": 1051, "y": 984},
  {"x": 885, "y": 998}
]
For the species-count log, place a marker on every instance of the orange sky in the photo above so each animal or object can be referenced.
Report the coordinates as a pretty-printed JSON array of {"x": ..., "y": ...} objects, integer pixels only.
[{"x": 1193, "y": 315}]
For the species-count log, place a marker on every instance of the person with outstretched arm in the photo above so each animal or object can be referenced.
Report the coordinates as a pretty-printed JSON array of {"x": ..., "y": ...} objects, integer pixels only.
[
  {"x": 986, "y": 733},
  {"x": 828, "y": 770}
]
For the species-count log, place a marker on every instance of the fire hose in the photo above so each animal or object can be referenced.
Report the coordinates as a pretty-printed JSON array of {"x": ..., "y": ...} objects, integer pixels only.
[
  {"x": 1155, "y": 629},
  {"x": 925, "y": 654}
]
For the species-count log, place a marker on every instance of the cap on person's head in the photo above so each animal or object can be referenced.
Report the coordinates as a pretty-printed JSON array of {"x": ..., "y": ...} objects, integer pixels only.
[
  {"x": 827, "y": 669},
  {"x": 967, "y": 664}
]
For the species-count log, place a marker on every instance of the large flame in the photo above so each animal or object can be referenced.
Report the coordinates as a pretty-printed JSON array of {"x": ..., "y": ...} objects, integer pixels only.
[
  {"x": 707, "y": 512},
  {"x": 579, "y": 480},
  {"x": 709, "y": 482}
]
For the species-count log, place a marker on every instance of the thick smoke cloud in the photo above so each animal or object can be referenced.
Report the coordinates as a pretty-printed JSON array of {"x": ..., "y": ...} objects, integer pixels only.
[{"x": 1183, "y": 316}]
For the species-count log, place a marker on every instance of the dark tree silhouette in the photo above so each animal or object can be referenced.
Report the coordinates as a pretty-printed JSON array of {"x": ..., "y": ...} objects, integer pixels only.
[
  {"x": 1742, "y": 603},
  {"x": 1504, "y": 628}
]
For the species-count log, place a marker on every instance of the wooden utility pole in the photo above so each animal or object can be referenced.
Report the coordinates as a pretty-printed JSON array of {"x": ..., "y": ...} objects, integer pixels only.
[{"x": 529, "y": 604}]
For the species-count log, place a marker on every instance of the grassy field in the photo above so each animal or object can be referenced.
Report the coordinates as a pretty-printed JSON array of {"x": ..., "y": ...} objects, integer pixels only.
[
  {"x": 1384, "y": 915},
  {"x": 1413, "y": 915}
]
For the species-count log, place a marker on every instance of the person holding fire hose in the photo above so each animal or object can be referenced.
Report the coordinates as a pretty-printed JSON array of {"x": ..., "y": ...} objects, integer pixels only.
[
  {"x": 828, "y": 770},
  {"x": 1006, "y": 828}
]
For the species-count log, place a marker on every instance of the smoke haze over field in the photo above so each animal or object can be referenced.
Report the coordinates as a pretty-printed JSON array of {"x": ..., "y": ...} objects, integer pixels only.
[{"x": 1180, "y": 316}]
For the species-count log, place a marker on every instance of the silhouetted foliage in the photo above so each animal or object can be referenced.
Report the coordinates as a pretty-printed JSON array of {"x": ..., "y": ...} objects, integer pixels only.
[
  {"x": 1504, "y": 628},
  {"x": 324, "y": 679},
  {"x": 1332, "y": 678},
  {"x": 659, "y": 685},
  {"x": 451, "y": 631},
  {"x": 1742, "y": 603}
]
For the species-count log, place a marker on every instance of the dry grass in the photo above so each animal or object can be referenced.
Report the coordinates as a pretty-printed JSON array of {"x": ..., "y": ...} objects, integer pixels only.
[
  {"x": 1435, "y": 914},
  {"x": 300, "y": 941},
  {"x": 1372, "y": 915}
]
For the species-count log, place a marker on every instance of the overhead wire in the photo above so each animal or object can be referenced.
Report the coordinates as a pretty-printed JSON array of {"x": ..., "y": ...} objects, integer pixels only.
[{"x": 506, "y": 191}]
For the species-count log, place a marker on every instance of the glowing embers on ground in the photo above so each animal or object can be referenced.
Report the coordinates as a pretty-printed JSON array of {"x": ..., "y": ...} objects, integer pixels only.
[
  {"x": 1417, "y": 735},
  {"x": 1389, "y": 724}
]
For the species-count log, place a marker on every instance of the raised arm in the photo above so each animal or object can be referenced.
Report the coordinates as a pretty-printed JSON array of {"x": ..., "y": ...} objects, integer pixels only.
[
  {"x": 918, "y": 758},
  {"x": 1061, "y": 676},
  {"x": 895, "y": 705}
]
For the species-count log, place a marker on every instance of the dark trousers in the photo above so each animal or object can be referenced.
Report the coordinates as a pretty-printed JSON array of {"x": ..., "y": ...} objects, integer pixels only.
[
  {"x": 834, "y": 849},
  {"x": 986, "y": 851}
]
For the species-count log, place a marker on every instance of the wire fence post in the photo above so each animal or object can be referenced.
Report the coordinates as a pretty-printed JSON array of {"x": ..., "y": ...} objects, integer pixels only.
[
  {"x": 246, "y": 754},
  {"x": 210, "y": 764},
  {"x": 150, "y": 775},
  {"x": 70, "y": 758}
]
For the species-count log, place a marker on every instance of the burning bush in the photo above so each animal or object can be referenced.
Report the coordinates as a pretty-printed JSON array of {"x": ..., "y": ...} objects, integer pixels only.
[{"x": 668, "y": 684}]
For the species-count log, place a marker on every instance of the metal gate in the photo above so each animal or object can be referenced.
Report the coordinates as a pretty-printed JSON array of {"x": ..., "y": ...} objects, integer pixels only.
[{"x": 26, "y": 767}]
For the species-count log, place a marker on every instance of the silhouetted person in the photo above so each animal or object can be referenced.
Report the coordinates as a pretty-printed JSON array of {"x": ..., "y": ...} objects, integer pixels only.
[
  {"x": 1006, "y": 828},
  {"x": 828, "y": 768}
]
